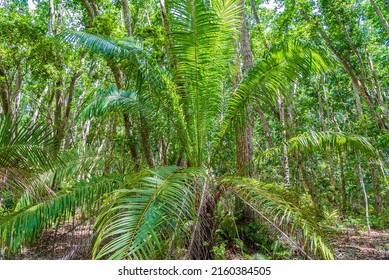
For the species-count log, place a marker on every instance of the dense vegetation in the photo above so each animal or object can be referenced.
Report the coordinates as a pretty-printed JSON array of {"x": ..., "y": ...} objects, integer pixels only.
[{"x": 199, "y": 129}]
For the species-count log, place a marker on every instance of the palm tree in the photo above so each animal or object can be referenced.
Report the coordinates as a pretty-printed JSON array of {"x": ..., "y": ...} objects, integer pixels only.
[{"x": 144, "y": 214}]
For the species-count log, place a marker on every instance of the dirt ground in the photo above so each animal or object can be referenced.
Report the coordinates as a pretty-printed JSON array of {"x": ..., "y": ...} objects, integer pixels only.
[
  {"x": 350, "y": 244},
  {"x": 354, "y": 244}
]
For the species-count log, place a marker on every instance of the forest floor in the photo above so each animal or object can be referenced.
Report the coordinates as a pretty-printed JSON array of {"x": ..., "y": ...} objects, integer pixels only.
[
  {"x": 353, "y": 244},
  {"x": 350, "y": 244}
]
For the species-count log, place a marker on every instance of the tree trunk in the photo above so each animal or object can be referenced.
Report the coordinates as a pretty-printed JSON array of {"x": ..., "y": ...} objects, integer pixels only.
[
  {"x": 343, "y": 180},
  {"x": 325, "y": 128},
  {"x": 357, "y": 100},
  {"x": 126, "y": 17},
  {"x": 366, "y": 200},
  {"x": 376, "y": 189},
  {"x": 50, "y": 27},
  {"x": 6, "y": 107},
  {"x": 380, "y": 16},
  {"x": 244, "y": 128},
  {"x": 266, "y": 127},
  {"x": 284, "y": 146},
  {"x": 146, "y": 142}
]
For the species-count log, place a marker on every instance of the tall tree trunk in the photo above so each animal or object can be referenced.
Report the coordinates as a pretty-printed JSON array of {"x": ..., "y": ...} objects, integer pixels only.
[
  {"x": 380, "y": 16},
  {"x": 58, "y": 125},
  {"x": 50, "y": 27},
  {"x": 365, "y": 197},
  {"x": 376, "y": 189},
  {"x": 126, "y": 17},
  {"x": 325, "y": 128},
  {"x": 244, "y": 129},
  {"x": 357, "y": 100},
  {"x": 18, "y": 92},
  {"x": 5, "y": 103},
  {"x": 284, "y": 147},
  {"x": 266, "y": 127},
  {"x": 343, "y": 180},
  {"x": 146, "y": 141}
]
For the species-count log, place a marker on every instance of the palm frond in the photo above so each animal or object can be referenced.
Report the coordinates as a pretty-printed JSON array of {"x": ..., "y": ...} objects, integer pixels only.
[
  {"x": 136, "y": 221},
  {"x": 283, "y": 64},
  {"x": 201, "y": 40},
  {"x": 23, "y": 226},
  {"x": 127, "y": 49},
  {"x": 322, "y": 141},
  {"x": 110, "y": 100},
  {"x": 269, "y": 201},
  {"x": 25, "y": 151}
]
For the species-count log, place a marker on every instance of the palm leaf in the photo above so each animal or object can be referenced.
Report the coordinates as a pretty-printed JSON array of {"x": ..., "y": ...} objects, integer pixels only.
[
  {"x": 283, "y": 64},
  {"x": 137, "y": 221},
  {"x": 270, "y": 201},
  {"x": 25, "y": 225}
]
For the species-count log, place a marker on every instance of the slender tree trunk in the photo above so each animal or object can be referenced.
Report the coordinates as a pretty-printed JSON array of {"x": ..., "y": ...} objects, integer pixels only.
[
  {"x": 4, "y": 93},
  {"x": 366, "y": 199},
  {"x": 328, "y": 153},
  {"x": 266, "y": 127},
  {"x": 380, "y": 16},
  {"x": 126, "y": 17},
  {"x": 146, "y": 142},
  {"x": 357, "y": 101},
  {"x": 50, "y": 26},
  {"x": 18, "y": 93},
  {"x": 376, "y": 189},
  {"x": 58, "y": 124},
  {"x": 244, "y": 129},
  {"x": 284, "y": 146},
  {"x": 343, "y": 180}
]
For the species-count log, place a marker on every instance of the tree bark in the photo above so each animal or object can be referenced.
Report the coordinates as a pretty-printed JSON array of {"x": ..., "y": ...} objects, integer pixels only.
[
  {"x": 4, "y": 92},
  {"x": 376, "y": 189},
  {"x": 380, "y": 16},
  {"x": 126, "y": 17},
  {"x": 365, "y": 197},
  {"x": 284, "y": 147},
  {"x": 50, "y": 26},
  {"x": 244, "y": 128},
  {"x": 343, "y": 180},
  {"x": 266, "y": 127}
]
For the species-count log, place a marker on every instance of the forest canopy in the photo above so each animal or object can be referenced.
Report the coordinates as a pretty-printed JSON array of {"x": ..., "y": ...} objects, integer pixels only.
[{"x": 199, "y": 129}]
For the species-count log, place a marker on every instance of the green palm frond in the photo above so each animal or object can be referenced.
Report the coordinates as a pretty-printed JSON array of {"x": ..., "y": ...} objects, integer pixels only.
[
  {"x": 127, "y": 49},
  {"x": 23, "y": 227},
  {"x": 282, "y": 65},
  {"x": 322, "y": 141},
  {"x": 25, "y": 151},
  {"x": 111, "y": 100},
  {"x": 202, "y": 46},
  {"x": 136, "y": 221},
  {"x": 272, "y": 204}
]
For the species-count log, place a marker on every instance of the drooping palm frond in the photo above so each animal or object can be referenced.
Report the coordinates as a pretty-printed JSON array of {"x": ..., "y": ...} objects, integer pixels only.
[
  {"x": 272, "y": 205},
  {"x": 110, "y": 100},
  {"x": 25, "y": 151},
  {"x": 127, "y": 49},
  {"x": 23, "y": 226},
  {"x": 282, "y": 65},
  {"x": 322, "y": 141},
  {"x": 138, "y": 220}
]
